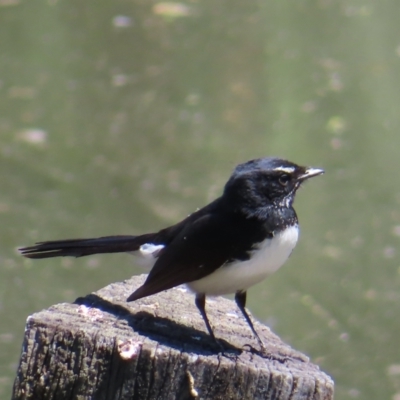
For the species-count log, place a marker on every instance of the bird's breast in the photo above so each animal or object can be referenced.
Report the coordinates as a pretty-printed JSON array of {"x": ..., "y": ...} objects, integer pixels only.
[{"x": 265, "y": 258}]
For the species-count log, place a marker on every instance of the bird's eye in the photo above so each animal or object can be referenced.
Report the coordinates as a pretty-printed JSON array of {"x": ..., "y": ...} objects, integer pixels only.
[{"x": 284, "y": 179}]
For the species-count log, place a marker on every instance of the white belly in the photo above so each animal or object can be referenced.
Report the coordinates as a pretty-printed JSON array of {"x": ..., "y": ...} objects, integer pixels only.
[{"x": 265, "y": 259}]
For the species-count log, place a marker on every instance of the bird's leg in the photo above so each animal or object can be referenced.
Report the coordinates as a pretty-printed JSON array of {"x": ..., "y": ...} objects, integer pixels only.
[
  {"x": 201, "y": 305},
  {"x": 240, "y": 298}
]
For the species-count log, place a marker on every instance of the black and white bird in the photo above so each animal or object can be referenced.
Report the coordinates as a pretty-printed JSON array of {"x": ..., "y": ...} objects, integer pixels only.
[{"x": 225, "y": 247}]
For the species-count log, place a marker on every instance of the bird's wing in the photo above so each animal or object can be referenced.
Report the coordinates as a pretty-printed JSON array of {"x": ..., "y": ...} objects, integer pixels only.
[{"x": 198, "y": 250}]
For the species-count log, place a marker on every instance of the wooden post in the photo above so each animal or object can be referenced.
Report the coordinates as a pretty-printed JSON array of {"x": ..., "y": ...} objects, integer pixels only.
[{"x": 101, "y": 347}]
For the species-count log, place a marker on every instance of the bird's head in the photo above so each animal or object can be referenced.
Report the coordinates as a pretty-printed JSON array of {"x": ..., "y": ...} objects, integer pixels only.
[{"x": 266, "y": 181}]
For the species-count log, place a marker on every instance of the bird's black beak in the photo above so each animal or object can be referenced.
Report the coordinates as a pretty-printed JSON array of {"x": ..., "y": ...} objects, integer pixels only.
[{"x": 309, "y": 173}]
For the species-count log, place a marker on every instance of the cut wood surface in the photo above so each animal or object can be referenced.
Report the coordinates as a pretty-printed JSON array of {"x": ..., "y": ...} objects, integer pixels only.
[{"x": 102, "y": 347}]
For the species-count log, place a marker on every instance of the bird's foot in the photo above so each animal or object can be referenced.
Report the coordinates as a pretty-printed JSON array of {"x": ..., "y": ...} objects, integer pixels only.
[
  {"x": 264, "y": 353},
  {"x": 231, "y": 352}
]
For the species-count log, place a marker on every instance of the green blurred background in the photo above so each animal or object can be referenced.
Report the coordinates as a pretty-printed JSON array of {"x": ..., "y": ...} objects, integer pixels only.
[{"x": 120, "y": 117}]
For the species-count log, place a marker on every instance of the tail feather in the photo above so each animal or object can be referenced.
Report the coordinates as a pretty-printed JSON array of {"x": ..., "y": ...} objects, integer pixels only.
[{"x": 82, "y": 247}]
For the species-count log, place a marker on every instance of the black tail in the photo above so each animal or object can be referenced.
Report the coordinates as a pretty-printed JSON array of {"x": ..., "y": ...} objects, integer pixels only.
[{"x": 83, "y": 247}]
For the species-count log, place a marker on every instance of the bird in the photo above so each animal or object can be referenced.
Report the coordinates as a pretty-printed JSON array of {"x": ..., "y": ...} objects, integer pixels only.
[{"x": 236, "y": 241}]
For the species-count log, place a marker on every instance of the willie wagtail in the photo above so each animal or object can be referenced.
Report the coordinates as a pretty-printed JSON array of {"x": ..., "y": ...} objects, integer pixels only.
[{"x": 225, "y": 247}]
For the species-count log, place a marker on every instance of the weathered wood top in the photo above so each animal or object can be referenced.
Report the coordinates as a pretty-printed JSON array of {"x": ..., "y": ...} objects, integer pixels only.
[{"x": 101, "y": 347}]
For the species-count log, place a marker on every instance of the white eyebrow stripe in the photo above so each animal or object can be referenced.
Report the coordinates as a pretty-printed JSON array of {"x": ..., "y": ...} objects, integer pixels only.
[{"x": 288, "y": 170}]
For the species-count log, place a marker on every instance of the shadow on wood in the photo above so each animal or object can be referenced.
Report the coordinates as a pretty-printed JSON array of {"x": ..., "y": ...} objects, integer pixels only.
[{"x": 101, "y": 347}]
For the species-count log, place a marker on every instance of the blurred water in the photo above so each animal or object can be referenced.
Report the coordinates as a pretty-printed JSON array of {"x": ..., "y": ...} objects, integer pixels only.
[{"x": 124, "y": 117}]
